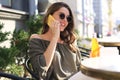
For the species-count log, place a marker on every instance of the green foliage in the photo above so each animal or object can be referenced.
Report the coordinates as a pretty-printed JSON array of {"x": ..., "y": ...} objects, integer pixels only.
[
  {"x": 20, "y": 41},
  {"x": 21, "y": 37},
  {"x": 34, "y": 24},
  {"x": 15, "y": 69},
  {"x": 7, "y": 56},
  {"x": 3, "y": 36},
  {"x": 5, "y": 53},
  {"x": 19, "y": 45}
]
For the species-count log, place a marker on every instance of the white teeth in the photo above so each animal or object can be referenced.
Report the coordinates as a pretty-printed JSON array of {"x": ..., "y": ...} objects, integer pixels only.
[{"x": 62, "y": 24}]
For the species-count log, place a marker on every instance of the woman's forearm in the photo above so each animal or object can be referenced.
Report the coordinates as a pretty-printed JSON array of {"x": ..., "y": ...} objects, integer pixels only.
[{"x": 49, "y": 53}]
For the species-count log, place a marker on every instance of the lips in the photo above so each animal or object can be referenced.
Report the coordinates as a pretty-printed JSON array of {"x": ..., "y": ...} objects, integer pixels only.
[{"x": 62, "y": 24}]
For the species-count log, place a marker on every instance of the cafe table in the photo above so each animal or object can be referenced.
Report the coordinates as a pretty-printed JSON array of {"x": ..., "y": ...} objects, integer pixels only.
[
  {"x": 110, "y": 42},
  {"x": 104, "y": 67}
]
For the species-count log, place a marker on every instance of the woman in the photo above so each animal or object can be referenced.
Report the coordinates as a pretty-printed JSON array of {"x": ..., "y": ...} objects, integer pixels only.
[{"x": 53, "y": 53}]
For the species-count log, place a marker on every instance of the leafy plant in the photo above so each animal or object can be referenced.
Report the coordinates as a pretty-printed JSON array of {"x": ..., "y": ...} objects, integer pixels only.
[
  {"x": 3, "y": 36},
  {"x": 21, "y": 37},
  {"x": 4, "y": 52},
  {"x": 19, "y": 45},
  {"x": 34, "y": 24},
  {"x": 7, "y": 56},
  {"x": 20, "y": 41},
  {"x": 15, "y": 69}
]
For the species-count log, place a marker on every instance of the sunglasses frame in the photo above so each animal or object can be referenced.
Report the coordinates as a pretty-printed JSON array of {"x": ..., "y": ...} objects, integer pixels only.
[{"x": 62, "y": 16}]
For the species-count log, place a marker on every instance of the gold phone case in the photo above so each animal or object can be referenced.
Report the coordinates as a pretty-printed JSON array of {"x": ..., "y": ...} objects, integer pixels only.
[{"x": 50, "y": 19}]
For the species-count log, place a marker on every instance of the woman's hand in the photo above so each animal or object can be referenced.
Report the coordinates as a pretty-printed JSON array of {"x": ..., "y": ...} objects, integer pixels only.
[
  {"x": 54, "y": 26},
  {"x": 55, "y": 29}
]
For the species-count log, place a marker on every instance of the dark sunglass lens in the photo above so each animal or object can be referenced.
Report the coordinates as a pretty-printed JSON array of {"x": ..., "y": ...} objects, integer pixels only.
[
  {"x": 62, "y": 16},
  {"x": 69, "y": 19}
]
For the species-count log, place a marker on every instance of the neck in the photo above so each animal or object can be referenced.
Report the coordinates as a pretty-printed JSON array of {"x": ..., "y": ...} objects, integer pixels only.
[{"x": 48, "y": 36}]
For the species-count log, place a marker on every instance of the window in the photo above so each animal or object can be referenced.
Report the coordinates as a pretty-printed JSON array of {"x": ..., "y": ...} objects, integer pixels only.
[{"x": 6, "y": 3}]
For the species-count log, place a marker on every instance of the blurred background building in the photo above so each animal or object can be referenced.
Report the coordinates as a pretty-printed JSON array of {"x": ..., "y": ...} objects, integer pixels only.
[{"x": 91, "y": 16}]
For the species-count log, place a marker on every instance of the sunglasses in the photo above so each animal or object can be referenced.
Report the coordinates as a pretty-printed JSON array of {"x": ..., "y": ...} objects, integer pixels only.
[{"x": 62, "y": 16}]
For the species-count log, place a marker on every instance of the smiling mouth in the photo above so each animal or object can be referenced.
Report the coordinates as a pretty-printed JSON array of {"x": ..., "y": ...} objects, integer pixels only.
[{"x": 62, "y": 24}]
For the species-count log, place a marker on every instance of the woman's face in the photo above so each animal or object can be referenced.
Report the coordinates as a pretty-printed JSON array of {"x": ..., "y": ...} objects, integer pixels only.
[{"x": 62, "y": 15}]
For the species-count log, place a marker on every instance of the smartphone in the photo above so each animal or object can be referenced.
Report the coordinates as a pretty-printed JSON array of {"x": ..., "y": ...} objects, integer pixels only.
[{"x": 50, "y": 19}]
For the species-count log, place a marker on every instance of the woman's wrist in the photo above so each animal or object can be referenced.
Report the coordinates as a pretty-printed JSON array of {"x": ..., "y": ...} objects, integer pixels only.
[{"x": 54, "y": 39}]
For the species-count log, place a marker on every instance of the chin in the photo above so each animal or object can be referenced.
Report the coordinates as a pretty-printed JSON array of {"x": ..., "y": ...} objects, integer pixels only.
[{"x": 61, "y": 30}]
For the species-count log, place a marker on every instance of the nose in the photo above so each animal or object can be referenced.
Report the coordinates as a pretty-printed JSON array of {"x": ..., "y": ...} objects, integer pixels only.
[{"x": 65, "y": 19}]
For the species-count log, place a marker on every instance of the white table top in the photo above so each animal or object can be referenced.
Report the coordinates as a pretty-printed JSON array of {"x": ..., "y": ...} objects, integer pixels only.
[
  {"x": 109, "y": 41},
  {"x": 109, "y": 66},
  {"x": 110, "y": 63}
]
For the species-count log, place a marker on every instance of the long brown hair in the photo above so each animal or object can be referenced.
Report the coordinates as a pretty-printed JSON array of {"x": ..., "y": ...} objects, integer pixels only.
[{"x": 67, "y": 35}]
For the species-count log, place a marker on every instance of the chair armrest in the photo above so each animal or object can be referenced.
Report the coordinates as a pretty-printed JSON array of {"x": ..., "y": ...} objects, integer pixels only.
[{"x": 11, "y": 76}]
